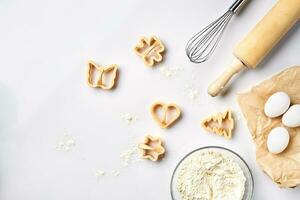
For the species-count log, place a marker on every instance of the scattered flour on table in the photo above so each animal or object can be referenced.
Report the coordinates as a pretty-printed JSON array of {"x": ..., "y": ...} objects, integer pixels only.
[
  {"x": 129, "y": 156},
  {"x": 192, "y": 93},
  {"x": 207, "y": 175},
  {"x": 169, "y": 72},
  {"x": 238, "y": 115},
  {"x": 115, "y": 172},
  {"x": 128, "y": 118},
  {"x": 66, "y": 143},
  {"x": 99, "y": 173}
]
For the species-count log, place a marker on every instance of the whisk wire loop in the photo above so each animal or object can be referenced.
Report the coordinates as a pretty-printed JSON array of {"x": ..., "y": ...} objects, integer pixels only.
[
  {"x": 208, "y": 38},
  {"x": 200, "y": 47}
]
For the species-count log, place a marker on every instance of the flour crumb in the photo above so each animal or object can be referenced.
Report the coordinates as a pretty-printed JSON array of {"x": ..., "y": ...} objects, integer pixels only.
[
  {"x": 128, "y": 118},
  {"x": 99, "y": 173},
  {"x": 66, "y": 143},
  {"x": 191, "y": 92},
  {"x": 115, "y": 172},
  {"x": 169, "y": 72},
  {"x": 129, "y": 156}
]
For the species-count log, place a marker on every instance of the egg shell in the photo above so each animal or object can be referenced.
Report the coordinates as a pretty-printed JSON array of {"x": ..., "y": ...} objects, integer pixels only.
[
  {"x": 277, "y": 104},
  {"x": 292, "y": 117},
  {"x": 278, "y": 140}
]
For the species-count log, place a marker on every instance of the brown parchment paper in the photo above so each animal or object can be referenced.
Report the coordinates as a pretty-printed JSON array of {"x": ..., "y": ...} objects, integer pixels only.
[{"x": 283, "y": 168}]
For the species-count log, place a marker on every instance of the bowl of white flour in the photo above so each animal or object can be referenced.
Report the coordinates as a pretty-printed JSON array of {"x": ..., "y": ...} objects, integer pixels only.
[{"x": 212, "y": 173}]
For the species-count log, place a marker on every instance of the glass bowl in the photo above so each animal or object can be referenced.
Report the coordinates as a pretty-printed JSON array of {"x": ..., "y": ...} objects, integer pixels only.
[{"x": 249, "y": 184}]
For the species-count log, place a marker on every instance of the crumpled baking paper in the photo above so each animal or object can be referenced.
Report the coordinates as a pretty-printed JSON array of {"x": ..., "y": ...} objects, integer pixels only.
[{"x": 283, "y": 168}]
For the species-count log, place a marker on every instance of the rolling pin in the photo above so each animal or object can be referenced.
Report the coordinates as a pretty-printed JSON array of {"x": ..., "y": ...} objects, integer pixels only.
[{"x": 259, "y": 41}]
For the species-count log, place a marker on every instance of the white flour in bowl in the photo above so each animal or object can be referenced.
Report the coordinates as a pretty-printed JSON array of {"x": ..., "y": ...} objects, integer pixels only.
[{"x": 210, "y": 175}]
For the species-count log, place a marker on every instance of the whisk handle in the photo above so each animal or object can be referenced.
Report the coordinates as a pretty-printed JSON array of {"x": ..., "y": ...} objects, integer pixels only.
[
  {"x": 216, "y": 87},
  {"x": 235, "y": 7}
]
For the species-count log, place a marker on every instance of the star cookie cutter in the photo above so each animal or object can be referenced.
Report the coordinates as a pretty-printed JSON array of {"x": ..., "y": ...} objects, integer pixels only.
[
  {"x": 152, "y": 148},
  {"x": 221, "y": 123},
  {"x": 102, "y": 72},
  {"x": 150, "y": 50},
  {"x": 166, "y": 119}
]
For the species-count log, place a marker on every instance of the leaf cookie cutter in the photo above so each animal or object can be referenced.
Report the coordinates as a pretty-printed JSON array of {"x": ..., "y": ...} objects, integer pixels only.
[
  {"x": 166, "y": 119},
  {"x": 221, "y": 123},
  {"x": 150, "y": 50},
  {"x": 152, "y": 148},
  {"x": 102, "y": 72}
]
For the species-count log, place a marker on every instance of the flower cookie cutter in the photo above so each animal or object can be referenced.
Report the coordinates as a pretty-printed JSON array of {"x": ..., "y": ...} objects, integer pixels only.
[
  {"x": 150, "y": 50},
  {"x": 152, "y": 148},
  {"x": 102, "y": 72},
  {"x": 166, "y": 119},
  {"x": 221, "y": 123}
]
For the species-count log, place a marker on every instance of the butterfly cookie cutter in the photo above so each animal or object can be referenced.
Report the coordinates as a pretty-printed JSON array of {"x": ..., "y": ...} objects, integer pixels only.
[
  {"x": 150, "y": 50},
  {"x": 102, "y": 72},
  {"x": 152, "y": 148},
  {"x": 166, "y": 119},
  {"x": 221, "y": 123}
]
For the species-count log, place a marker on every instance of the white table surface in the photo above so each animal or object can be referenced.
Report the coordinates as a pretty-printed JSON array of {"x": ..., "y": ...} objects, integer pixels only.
[{"x": 44, "y": 47}]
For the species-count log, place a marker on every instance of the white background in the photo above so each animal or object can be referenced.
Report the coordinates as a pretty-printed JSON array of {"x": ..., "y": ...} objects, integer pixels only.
[{"x": 44, "y": 47}]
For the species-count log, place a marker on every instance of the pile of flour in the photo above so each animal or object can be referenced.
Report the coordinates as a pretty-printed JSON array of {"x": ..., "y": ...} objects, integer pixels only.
[{"x": 210, "y": 175}]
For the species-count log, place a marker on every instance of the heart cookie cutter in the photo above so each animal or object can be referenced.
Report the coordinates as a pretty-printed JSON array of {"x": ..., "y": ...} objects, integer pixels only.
[
  {"x": 150, "y": 50},
  {"x": 100, "y": 81},
  {"x": 221, "y": 123},
  {"x": 165, "y": 121},
  {"x": 152, "y": 148}
]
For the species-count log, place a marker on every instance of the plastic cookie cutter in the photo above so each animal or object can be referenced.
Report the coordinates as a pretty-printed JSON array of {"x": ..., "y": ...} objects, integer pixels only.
[
  {"x": 150, "y": 50},
  {"x": 165, "y": 114},
  {"x": 97, "y": 76},
  {"x": 152, "y": 148},
  {"x": 221, "y": 123}
]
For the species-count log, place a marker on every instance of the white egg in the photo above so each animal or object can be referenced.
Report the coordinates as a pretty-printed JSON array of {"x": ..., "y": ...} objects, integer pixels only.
[
  {"x": 277, "y": 104},
  {"x": 278, "y": 139},
  {"x": 292, "y": 117}
]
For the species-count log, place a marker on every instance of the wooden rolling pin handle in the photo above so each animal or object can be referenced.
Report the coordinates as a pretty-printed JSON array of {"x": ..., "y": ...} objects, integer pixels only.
[{"x": 235, "y": 67}]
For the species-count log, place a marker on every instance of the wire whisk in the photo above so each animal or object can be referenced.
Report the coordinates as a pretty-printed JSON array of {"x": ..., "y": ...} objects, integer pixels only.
[{"x": 201, "y": 46}]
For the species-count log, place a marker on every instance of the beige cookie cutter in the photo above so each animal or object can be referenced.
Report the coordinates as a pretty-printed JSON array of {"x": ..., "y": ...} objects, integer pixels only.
[
  {"x": 150, "y": 50},
  {"x": 221, "y": 123},
  {"x": 164, "y": 121},
  {"x": 100, "y": 82},
  {"x": 152, "y": 148}
]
